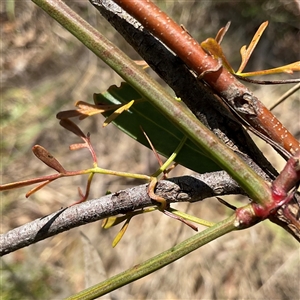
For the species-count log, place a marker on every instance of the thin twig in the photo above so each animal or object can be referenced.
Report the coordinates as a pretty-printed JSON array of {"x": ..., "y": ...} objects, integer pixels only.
[{"x": 290, "y": 92}]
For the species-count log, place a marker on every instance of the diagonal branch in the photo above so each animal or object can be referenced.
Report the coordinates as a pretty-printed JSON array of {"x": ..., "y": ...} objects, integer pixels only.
[{"x": 178, "y": 189}]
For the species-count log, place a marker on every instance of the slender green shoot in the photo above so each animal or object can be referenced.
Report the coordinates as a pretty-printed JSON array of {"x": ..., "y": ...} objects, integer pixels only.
[{"x": 159, "y": 261}]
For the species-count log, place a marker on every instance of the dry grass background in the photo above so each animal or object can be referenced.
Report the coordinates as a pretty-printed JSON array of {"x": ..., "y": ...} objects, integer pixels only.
[{"x": 44, "y": 69}]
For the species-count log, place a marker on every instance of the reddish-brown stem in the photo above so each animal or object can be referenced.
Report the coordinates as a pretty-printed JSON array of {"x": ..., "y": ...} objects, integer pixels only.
[
  {"x": 287, "y": 180},
  {"x": 84, "y": 197},
  {"x": 50, "y": 178},
  {"x": 266, "y": 123},
  {"x": 23, "y": 183},
  {"x": 91, "y": 149},
  {"x": 222, "y": 82}
]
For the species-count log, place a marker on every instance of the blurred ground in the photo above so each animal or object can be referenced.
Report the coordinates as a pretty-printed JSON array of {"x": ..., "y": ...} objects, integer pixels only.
[{"x": 44, "y": 69}]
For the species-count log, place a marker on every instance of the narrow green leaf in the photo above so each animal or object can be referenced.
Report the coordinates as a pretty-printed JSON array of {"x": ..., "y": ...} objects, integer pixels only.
[
  {"x": 163, "y": 134},
  {"x": 159, "y": 261},
  {"x": 121, "y": 233}
]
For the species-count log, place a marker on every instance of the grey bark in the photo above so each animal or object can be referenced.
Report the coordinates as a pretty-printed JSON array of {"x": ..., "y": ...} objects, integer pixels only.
[{"x": 178, "y": 189}]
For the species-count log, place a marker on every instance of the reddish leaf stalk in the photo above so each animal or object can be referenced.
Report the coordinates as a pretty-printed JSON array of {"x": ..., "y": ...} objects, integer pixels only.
[
  {"x": 288, "y": 178},
  {"x": 23, "y": 183},
  {"x": 281, "y": 188},
  {"x": 71, "y": 126},
  {"x": 84, "y": 197},
  {"x": 46, "y": 178},
  {"x": 221, "y": 81},
  {"x": 39, "y": 187}
]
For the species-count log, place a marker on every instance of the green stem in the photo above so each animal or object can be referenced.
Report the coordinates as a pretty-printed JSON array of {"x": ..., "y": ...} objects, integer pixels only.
[
  {"x": 118, "y": 173},
  {"x": 170, "y": 159},
  {"x": 191, "y": 218},
  {"x": 175, "y": 111},
  {"x": 158, "y": 261}
]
